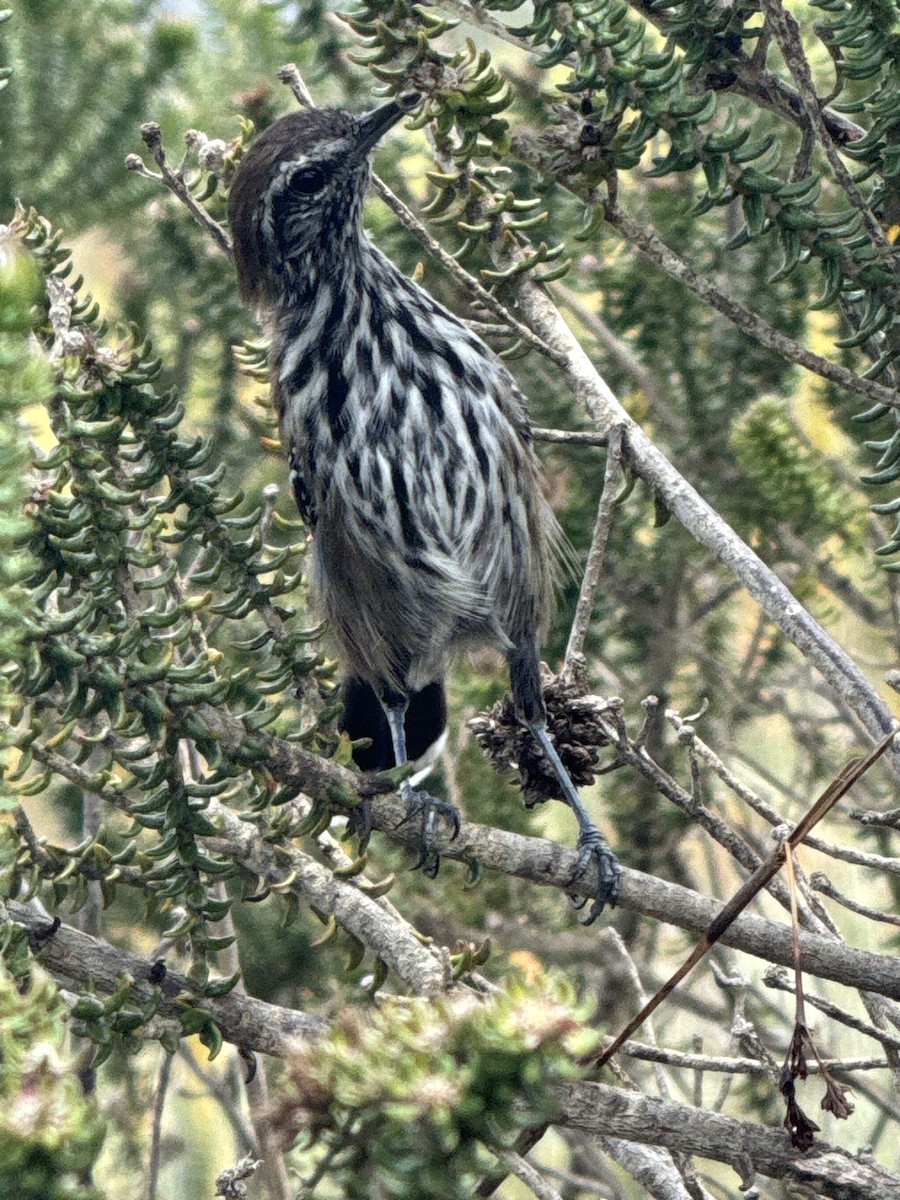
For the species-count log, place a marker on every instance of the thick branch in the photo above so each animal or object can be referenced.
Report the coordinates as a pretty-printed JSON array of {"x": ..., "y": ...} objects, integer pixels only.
[
  {"x": 547, "y": 863},
  {"x": 377, "y": 926},
  {"x": 73, "y": 957},
  {"x": 541, "y": 861},
  {"x": 826, "y": 1171},
  {"x": 280, "y": 865}
]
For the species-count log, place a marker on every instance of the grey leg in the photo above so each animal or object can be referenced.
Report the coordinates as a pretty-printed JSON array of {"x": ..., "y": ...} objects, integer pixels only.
[
  {"x": 592, "y": 845},
  {"x": 524, "y": 673},
  {"x": 431, "y": 807}
]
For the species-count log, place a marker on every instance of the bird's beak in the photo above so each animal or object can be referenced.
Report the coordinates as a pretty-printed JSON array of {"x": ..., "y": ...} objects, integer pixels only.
[{"x": 372, "y": 126}]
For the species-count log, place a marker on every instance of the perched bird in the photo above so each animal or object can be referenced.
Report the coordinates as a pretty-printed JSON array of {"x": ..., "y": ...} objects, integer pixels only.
[{"x": 409, "y": 448}]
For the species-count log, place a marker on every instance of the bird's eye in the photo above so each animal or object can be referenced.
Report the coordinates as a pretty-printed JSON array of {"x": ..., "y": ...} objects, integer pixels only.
[{"x": 306, "y": 181}]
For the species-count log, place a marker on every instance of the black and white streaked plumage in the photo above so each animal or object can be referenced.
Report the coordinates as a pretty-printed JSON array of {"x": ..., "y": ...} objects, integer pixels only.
[{"x": 408, "y": 442}]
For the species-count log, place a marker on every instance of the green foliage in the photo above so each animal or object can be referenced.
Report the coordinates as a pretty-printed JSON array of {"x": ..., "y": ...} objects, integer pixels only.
[
  {"x": 50, "y": 1135},
  {"x": 24, "y": 381},
  {"x": 149, "y": 587},
  {"x": 84, "y": 76},
  {"x": 400, "y": 1102},
  {"x": 150, "y": 579},
  {"x": 789, "y": 478}
]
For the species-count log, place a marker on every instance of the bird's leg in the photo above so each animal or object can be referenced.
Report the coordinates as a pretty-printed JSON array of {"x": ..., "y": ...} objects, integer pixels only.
[
  {"x": 524, "y": 673},
  {"x": 395, "y": 705},
  {"x": 591, "y": 842}
]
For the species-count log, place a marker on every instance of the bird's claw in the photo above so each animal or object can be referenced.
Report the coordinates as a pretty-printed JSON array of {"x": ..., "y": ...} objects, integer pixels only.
[
  {"x": 430, "y": 808},
  {"x": 592, "y": 847},
  {"x": 360, "y": 820}
]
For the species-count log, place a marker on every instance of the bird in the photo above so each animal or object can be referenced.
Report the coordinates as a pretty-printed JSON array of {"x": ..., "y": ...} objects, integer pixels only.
[{"x": 410, "y": 455}]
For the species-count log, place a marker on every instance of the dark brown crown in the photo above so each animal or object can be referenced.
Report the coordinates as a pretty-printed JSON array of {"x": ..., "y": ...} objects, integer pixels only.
[
  {"x": 299, "y": 135},
  {"x": 296, "y": 200}
]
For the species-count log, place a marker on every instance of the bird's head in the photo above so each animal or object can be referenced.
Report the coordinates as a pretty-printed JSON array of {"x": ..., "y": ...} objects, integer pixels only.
[{"x": 298, "y": 191}]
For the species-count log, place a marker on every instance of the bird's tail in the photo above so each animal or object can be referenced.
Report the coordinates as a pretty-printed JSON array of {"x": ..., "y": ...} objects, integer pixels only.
[{"x": 425, "y": 724}]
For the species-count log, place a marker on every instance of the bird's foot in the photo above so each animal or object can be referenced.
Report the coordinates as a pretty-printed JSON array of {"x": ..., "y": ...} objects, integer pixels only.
[
  {"x": 429, "y": 808},
  {"x": 360, "y": 821},
  {"x": 592, "y": 848}
]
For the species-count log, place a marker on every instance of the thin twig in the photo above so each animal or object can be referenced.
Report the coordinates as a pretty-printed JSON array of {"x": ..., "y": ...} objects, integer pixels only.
[
  {"x": 290, "y": 76},
  {"x": 467, "y": 282},
  {"x": 778, "y": 978},
  {"x": 620, "y": 961},
  {"x": 571, "y": 437},
  {"x": 859, "y": 858},
  {"x": 692, "y": 1061},
  {"x": 579, "y": 1183},
  {"x": 159, "y": 1100},
  {"x": 878, "y": 820},
  {"x": 39, "y": 853},
  {"x": 526, "y": 1173},
  {"x": 823, "y": 884},
  {"x": 594, "y": 566},
  {"x": 652, "y": 245},
  {"x": 800, "y": 1011},
  {"x": 241, "y": 1127},
  {"x": 841, "y": 784},
  {"x": 175, "y": 182},
  {"x": 274, "y": 1170}
]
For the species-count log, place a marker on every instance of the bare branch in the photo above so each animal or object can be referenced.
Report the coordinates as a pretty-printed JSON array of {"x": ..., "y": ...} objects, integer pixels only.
[
  {"x": 776, "y": 977},
  {"x": 830, "y": 1172},
  {"x": 175, "y": 182},
  {"x": 823, "y": 884},
  {"x": 572, "y": 437},
  {"x": 73, "y": 957},
  {"x": 527, "y": 1174},
  {"x": 861, "y": 858},
  {"x": 685, "y": 1060},
  {"x": 535, "y": 859},
  {"x": 159, "y": 1099},
  {"x": 650, "y": 243},
  {"x": 593, "y": 568}
]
